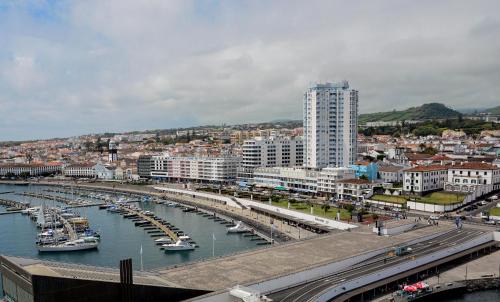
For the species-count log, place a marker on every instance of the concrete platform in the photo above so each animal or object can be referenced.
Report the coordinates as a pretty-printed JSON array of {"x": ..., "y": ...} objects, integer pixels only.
[{"x": 260, "y": 265}]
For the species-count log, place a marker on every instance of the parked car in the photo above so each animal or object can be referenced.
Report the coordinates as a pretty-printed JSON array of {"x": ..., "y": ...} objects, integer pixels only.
[
  {"x": 482, "y": 202},
  {"x": 434, "y": 217},
  {"x": 492, "y": 222}
]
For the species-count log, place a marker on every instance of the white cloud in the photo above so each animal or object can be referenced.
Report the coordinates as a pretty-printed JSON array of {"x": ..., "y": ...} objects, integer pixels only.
[{"x": 90, "y": 66}]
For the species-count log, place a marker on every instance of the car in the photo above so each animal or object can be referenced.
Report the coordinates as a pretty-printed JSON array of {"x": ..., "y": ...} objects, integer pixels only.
[
  {"x": 482, "y": 202},
  {"x": 494, "y": 197},
  {"x": 492, "y": 222},
  {"x": 434, "y": 217},
  {"x": 468, "y": 209},
  {"x": 474, "y": 207}
]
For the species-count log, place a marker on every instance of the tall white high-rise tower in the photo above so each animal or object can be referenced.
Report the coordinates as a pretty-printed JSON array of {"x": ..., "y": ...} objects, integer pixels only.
[{"x": 330, "y": 125}]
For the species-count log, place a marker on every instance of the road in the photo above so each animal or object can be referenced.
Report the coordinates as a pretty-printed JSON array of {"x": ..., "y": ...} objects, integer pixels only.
[{"x": 308, "y": 291}]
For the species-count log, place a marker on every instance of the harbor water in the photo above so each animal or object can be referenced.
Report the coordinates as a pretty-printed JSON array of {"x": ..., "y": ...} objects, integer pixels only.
[
  {"x": 481, "y": 296},
  {"x": 120, "y": 238}
]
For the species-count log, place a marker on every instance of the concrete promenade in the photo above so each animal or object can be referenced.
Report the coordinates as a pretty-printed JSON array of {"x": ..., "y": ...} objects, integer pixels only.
[{"x": 264, "y": 264}]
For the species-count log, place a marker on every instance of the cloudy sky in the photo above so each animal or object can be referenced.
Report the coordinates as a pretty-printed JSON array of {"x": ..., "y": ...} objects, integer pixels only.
[{"x": 76, "y": 67}]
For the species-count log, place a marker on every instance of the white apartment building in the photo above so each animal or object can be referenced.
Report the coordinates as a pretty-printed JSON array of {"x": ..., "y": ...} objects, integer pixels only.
[
  {"x": 295, "y": 179},
  {"x": 269, "y": 152},
  {"x": 354, "y": 189},
  {"x": 392, "y": 174},
  {"x": 424, "y": 179},
  {"x": 210, "y": 169},
  {"x": 473, "y": 177},
  {"x": 30, "y": 169},
  {"x": 86, "y": 170},
  {"x": 328, "y": 178},
  {"x": 330, "y": 125}
]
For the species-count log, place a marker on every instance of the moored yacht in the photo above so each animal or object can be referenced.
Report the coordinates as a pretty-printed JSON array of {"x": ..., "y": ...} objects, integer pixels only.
[
  {"x": 73, "y": 245},
  {"x": 163, "y": 240},
  {"x": 238, "y": 228},
  {"x": 182, "y": 244}
]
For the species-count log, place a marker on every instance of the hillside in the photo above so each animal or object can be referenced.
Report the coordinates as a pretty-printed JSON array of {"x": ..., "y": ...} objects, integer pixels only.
[
  {"x": 424, "y": 112},
  {"x": 494, "y": 110}
]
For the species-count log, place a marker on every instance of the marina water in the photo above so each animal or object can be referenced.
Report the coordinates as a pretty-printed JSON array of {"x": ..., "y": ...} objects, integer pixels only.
[{"x": 120, "y": 237}]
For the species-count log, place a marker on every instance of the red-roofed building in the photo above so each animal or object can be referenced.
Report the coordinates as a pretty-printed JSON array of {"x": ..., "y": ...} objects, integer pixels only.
[
  {"x": 30, "y": 169},
  {"x": 476, "y": 177},
  {"x": 424, "y": 179}
]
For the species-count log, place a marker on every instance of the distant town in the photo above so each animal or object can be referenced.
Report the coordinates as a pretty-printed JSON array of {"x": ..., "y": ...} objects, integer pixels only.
[{"x": 425, "y": 155}]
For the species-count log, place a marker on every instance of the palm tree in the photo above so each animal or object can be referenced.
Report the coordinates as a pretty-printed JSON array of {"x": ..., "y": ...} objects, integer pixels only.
[{"x": 325, "y": 207}]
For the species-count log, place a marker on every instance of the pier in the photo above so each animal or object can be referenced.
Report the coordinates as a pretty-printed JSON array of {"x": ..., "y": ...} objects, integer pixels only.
[
  {"x": 168, "y": 232},
  {"x": 14, "y": 204},
  {"x": 68, "y": 201}
]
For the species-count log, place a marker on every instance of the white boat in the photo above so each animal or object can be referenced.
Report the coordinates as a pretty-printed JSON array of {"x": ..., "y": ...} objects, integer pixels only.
[
  {"x": 30, "y": 210},
  {"x": 163, "y": 240},
  {"x": 182, "y": 244},
  {"x": 74, "y": 245},
  {"x": 238, "y": 228}
]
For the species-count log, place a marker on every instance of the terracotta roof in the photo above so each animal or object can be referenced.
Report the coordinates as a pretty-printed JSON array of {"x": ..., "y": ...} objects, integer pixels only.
[
  {"x": 440, "y": 157},
  {"x": 81, "y": 165},
  {"x": 427, "y": 168},
  {"x": 362, "y": 163},
  {"x": 355, "y": 181},
  {"x": 474, "y": 166},
  {"x": 390, "y": 168},
  {"x": 417, "y": 156}
]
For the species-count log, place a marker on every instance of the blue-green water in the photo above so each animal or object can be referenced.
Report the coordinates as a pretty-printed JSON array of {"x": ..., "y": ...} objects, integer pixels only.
[
  {"x": 483, "y": 296},
  {"x": 120, "y": 238}
]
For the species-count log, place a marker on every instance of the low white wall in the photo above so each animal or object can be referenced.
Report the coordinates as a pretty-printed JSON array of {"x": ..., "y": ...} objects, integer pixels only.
[
  {"x": 384, "y": 203},
  {"x": 291, "y": 280},
  {"x": 386, "y": 273},
  {"x": 432, "y": 208},
  {"x": 495, "y": 218}
]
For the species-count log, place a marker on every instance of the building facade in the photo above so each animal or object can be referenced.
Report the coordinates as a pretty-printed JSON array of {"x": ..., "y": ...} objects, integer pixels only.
[
  {"x": 269, "y": 152},
  {"x": 30, "y": 169},
  {"x": 328, "y": 178},
  {"x": 144, "y": 166},
  {"x": 367, "y": 169},
  {"x": 80, "y": 170},
  {"x": 205, "y": 169},
  {"x": 294, "y": 179},
  {"x": 421, "y": 180},
  {"x": 330, "y": 119},
  {"x": 392, "y": 174},
  {"x": 354, "y": 189},
  {"x": 471, "y": 177}
]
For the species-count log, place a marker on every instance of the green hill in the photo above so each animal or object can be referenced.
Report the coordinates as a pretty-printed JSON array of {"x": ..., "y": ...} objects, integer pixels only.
[
  {"x": 494, "y": 110},
  {"x": 424, "y": 112}
]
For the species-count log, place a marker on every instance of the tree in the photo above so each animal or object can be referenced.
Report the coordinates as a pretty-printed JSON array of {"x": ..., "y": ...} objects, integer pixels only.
[
  {"x": 349, "y": 208},
  {"x": 363, "y": 177},
  {"x": 325, "y": 207}
]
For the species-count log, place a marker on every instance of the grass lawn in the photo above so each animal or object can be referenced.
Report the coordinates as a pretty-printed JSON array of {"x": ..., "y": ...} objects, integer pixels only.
[
  {"x": 317, "y": 210},
  {"x": 441, "y": 198},
  {"x": 495, "y": 212},
  {"x": 389, "y": 198}
]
